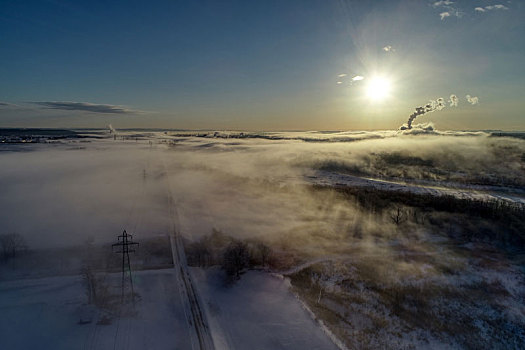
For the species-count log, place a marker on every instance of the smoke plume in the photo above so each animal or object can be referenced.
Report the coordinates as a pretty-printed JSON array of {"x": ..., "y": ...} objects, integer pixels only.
[
  {"x": 430, "y": 107},
  {"x": 453, "y": 100},
  {"x": 473, "y": 100}
]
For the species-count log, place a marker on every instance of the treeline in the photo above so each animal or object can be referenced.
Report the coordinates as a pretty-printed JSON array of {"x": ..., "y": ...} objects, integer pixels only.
[
  {"x": 379, "y": 200},
  {"x": 233, "y": 255},
  {"x": 507, "y": 220}
]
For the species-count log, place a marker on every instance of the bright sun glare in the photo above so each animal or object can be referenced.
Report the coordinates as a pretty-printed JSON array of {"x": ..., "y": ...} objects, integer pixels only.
[{"x": 378, "y": 88}]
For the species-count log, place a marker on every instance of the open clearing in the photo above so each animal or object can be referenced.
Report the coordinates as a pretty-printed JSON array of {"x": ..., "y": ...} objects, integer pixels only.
[{"x": 51, "y": 313}]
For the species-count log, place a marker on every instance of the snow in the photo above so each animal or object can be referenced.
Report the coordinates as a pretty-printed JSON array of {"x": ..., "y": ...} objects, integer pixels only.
[
  {"x": 67, "y": 193},
  {"x": 258, "y": 312},
  {"x": 45, "y": 313},
  {"x": 487, "y": 193}
]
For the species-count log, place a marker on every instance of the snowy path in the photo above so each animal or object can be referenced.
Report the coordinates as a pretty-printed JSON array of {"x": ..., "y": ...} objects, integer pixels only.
[
  {"x": 201, "y": 338},
  {"x": 196, "y": 317}
]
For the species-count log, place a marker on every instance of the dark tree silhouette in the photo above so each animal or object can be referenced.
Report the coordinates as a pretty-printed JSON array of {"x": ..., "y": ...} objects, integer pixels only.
[
  {"x": 236, "y": 258},
  {"x": 12, "y": 244},
  {"x": 398, "y": 216},
  {"x": 264, "y": 253}
]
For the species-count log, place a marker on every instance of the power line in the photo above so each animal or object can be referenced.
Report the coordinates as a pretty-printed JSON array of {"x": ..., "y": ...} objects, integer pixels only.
[{"x": 125, "y": 246}]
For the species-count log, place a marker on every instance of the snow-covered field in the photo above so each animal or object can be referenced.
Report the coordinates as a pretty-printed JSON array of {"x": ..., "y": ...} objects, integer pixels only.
[
  {"x": 258, "y": 312},
  {"x": 52, "y": 313},
  {"x": 483, "y": 193},
  {"x": 75, "y": 193}
]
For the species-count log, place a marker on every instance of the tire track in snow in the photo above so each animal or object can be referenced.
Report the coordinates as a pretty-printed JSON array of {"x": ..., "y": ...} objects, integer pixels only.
[{"x": 199, "y": 330}]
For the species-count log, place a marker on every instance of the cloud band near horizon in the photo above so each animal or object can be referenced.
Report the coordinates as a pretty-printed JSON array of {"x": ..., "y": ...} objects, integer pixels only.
[{"x": 86, "y": 107}]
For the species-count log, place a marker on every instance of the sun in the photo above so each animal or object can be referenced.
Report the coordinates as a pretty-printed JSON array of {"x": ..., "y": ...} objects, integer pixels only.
[{"x": 378, "y": 88}]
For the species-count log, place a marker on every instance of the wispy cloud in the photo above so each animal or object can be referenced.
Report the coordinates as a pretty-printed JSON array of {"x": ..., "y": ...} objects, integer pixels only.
[
  {"x": 357, "y": 78},
  {"x": 497, "y": 7},
  {"x": 389, "y": 48},
  {"x": 444, "y": 15},
  {"x": 7, "y": 105},
  {"x": 342, "y": 75},
  {"x": 86, "y": 107},
  {"x": 491, "y": 8},
  {"x": 447, "y": 8},
  {"x": 442, "y": 3}
]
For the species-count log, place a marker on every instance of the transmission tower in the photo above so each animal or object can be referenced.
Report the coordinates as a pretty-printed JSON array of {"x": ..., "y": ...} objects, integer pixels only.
[{"x": 125, "y": 246}]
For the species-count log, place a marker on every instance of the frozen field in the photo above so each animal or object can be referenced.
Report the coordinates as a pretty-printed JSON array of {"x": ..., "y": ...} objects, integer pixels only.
[
  {"x": 63, "y": 197},
  {"x": 258, "y": 312},
  {"x": 51, "y": 313}
]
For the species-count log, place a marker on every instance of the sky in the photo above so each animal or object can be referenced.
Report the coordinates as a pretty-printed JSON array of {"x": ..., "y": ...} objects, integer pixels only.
[{"x": 261, "y": 65}]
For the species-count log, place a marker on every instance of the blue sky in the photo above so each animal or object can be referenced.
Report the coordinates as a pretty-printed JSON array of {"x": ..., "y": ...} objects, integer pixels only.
[{"x": 263, "y": 65}]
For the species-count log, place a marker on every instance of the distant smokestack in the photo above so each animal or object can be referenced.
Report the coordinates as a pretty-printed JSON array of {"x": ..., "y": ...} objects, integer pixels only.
[{"x": 430, "y": 107}]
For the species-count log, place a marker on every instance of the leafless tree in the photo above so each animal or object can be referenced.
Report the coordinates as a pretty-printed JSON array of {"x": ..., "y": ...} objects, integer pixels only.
[
  {"x": 264, "y": 252},
  {"x": 236, "y": 258},
  {"x": 12, "y": 244},
  {"x": 398, "y": 216},
  {"x": 97, "y": 289},
  {"x": 90, "y": 283},
  {"x": 201, "y": 252}
]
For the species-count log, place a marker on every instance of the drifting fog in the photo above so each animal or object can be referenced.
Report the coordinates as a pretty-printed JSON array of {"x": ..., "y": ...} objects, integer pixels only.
[{"x": 247, "y": 187}]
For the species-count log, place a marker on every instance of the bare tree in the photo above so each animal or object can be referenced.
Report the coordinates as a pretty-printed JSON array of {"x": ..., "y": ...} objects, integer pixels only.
[
  {"x": 200, "y": 251},
  {"x": 12, "y": 244},
  {"x": 398, "y": 216},
  {"x": 90, "y": 282},
  {"x": 264, "y": 252},
  {"x": 97, "y": 289},
  {"x": 236, "y": 258}
]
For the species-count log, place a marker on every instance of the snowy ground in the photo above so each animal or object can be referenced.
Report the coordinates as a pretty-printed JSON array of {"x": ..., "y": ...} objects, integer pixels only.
[
  {"x": 258, "y": 312},
  {"x": 460, "y": 299},
  {"x": 326, "y": 178},
  {"x": 46, "y": 313},
  {"x": 74, "y": 193}
]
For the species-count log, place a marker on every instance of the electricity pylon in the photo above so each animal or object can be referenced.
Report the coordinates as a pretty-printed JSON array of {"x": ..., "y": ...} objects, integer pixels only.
[{"x": 126, "y": 246}]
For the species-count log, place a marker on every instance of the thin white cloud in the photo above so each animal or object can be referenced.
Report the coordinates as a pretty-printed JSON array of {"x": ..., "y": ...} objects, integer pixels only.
[
  {"x": 357, "y": 78},
  {"x": 442, "y": 3},
  {"x": 389, "y": 48},
  {"x": 342, "y": 75},
  {"x": 447, "y": 10},
  {"x": 7, "y": 105},
  {"x": 491, "y": 8},
  {"x": 444, "y": 15},
  {"x": 339, "y": 82}
]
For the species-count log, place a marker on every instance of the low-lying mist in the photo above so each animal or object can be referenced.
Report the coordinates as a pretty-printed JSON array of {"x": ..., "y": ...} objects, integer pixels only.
[
  {"x": 64, "y": 194},
  {"x": 383, "y": 260}
]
